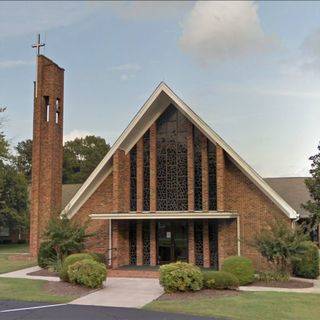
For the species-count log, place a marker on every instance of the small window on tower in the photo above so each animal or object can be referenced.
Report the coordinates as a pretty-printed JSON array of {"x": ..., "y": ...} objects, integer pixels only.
[
  {"x": 46, "y": 108},
  {"x": 57, "y": 110}
]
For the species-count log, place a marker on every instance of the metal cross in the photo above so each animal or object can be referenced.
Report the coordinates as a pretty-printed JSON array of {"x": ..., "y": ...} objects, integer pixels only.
[{"x": 38, "y": 45}]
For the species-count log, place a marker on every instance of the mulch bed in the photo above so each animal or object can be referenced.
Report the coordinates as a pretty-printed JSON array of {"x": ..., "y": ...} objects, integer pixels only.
[
  {"x": 65, "y": 289},
  {"x": 205, "y": 293},
  {"x": 43, "y": 273},
  {"x": 291, "y": 284}
]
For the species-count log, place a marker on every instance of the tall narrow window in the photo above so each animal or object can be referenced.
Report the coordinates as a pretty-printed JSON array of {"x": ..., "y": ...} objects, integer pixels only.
[
  {"x": 146, "y": 242},
  {"x": 212, "y": 176},
  {"x": 132, "y": 242},
  {"x": 213, "y": 243},
  {"x": 57, "y": 110},
  {"x": 133, "y": 179},
  {"x": 197, "y": 170},
  {"x": 198, "y": 242},
  {"x": 46, "y": 108},
  {"x": 172, "y": 176},
  {"x": 146, "y": 171}
]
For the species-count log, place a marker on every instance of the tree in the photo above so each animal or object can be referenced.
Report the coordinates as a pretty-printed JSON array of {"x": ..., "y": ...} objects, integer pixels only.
[
  {"x": 4, "y": 145},
  {"x": 23, "y": 159},
  {"x": 81, "y": 156},
  {"x": 313, "y": 185},
  {"x": 281, "y": 245}
]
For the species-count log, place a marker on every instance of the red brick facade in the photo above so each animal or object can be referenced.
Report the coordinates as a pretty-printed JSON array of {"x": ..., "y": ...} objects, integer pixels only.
[
  {"x": 235, "y": 194},
  {"x": 47, "y": 148}
]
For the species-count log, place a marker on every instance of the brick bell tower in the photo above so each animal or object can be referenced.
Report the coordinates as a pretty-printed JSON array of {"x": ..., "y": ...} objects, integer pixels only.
[{"x": 47, "y": 151}]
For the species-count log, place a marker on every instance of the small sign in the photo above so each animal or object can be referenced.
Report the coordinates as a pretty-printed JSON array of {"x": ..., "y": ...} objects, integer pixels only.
[{"x": 168, "y": 235}]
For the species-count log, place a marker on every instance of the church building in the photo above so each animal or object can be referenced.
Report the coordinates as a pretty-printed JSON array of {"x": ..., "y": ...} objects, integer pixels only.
[{"x": 170, "y": 188}]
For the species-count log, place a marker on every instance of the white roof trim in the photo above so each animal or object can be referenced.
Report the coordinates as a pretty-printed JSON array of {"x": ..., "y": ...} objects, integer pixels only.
[
  {"x": 104, "y": 168},
  {"x": 163, "y": 215}
]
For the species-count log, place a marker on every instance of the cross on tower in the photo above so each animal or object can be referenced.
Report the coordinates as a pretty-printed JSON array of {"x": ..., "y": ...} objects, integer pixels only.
[{"x": 38, "y": 45}]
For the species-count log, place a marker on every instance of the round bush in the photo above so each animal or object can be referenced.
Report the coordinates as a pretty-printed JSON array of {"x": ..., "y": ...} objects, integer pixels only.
[
  {"x": 220, "y": 280},
  {"x": 99, "y": 257},
  {"x": 46, "y": 255},
  {"x": 88, "y": 273},
  {"x": 240, "y": 267},
  {"x": 180, "y": 276},
  {"x": 69, "y": 260},
  {"x": 308, "y": 266}
]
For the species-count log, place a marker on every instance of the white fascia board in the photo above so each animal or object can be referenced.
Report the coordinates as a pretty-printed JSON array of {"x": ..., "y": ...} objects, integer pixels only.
[{"x": 91, "y": 185}]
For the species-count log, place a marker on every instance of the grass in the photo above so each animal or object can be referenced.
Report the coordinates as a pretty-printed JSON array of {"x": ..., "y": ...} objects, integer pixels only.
[
  {"x": 247, "y": 306},
  {"x": 7, "y": 264},
  {"x": 14, "y": 248},
  {"x": 28, "y": 290}
]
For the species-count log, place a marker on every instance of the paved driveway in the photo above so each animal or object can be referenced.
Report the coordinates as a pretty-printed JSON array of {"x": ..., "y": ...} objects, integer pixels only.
[
  {"x": 124, "y": 292},
  {"x": 35, "y": 311}
]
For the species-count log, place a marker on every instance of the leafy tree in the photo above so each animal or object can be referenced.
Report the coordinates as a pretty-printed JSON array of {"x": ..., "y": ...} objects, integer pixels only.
[
  {"x": 81, "y": 156},
  {"x": 23, "y": 159},
  {"x": 281, "y": 245},
  {"x": 313, "y": 184},
  {"x": 4, "y": 145},
  {"x": 65, "y": 237}
]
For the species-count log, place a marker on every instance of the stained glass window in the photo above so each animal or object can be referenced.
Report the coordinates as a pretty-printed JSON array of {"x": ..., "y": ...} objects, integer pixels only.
[
  {"x": 213, "y": 244},
  {"x": 212, "y": 176},
  {"x": 133, "y": 179},
  {"x": 146, "y": 242},
  {"x": 133, "y": 243},
  {"x": 146, "y": 171},
  {"x": 197, "y": 170},
  {"x": 198, "y": 242},
  {"x": 172, "y": 173}
]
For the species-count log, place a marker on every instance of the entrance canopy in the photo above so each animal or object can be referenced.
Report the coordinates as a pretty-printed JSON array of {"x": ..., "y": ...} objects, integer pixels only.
[{"x": 164, "y": 215}]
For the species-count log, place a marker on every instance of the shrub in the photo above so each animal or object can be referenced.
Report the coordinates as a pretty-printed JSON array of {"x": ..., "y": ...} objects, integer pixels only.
[
  {"x": 220, "y": 280},
  {"x": 88, "y": 273},
  {"x": 180, "y": 276},
  {"x": 70, "y": 260},
  {"x": 281, "y": 244},
  {"x": 46, "y": 254},
  {"x": 240, "y": 267},
  {"x": 308, "y": 265},
  {"x": 269, "y": 276},
  {"x": 99, "y": 257}
]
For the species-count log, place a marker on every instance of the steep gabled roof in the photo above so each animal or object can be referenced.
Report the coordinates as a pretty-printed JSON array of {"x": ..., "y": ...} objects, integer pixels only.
[{"x": 150, "y": 111}]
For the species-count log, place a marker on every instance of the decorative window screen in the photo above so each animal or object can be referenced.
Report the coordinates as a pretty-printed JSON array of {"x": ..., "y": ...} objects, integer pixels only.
[
  {"x": 172, "y": 172},
  {"x": 146, "y": 242},
  {"x": 133, "y": 243},
  {"x": 133, "y": 179},
  {"x": 198, "y": 242},
  {"x": 146, "y": 171},
  {"x": 213, "y": 243},
  {"x": 212, "y": 176},
  {"x": 197, "y": 170}
]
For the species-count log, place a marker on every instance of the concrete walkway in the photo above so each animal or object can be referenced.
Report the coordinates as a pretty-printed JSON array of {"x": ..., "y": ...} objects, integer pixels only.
[
  {"x": 314, "y": 289},
  {"x": 123, "y": 292},
  {"x": 23, "y": 274}
]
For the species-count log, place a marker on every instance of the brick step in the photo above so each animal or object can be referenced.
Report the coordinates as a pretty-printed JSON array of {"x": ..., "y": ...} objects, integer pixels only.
[{"x": 117, "y": 273}]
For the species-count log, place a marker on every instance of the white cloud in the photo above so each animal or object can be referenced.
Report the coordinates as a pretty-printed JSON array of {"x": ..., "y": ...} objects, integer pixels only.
[
  {"x": 75, "y": 134},
  {"x": 14, "y": 64},
  {"x": 127, "y": 71},
  {"x": 310, "y": 49},
  {"x": 216, "y": 31}
]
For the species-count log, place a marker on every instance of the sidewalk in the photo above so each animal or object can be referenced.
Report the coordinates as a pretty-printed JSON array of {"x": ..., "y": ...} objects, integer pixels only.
[{"x": 23, "y": 274}]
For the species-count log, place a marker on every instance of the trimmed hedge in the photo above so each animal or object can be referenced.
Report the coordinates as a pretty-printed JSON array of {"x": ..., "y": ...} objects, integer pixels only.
[
  {"x": 46, "y": 254},
  {"x": 220, "y": 280},
  {"x": 240, "y": 267},
  {"x": 180, "y": 276},
  {"x": 99, "y": 257},
  {"x": 88, "y": 273},
  {"x": 70, "y": 260},
  {"x": 308, "y": 266}
]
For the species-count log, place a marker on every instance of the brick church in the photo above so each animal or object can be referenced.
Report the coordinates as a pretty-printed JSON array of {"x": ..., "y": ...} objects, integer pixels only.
[{"x": 169, "y": 188}]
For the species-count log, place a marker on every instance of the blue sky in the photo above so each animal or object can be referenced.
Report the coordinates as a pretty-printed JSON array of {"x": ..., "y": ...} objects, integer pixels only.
[{"x": 251, "y": 70}]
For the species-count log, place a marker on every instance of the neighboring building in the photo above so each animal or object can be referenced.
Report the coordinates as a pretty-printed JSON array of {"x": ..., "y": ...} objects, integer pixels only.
[{"x": 169, "y": 188}]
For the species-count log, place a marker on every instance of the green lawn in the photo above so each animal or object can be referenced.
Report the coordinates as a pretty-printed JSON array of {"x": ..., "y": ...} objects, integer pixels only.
[
  {"x": 8, "y": 265},
  {"x": 248, "y": 306},
  {"x": 28, "y": 290},
  {"x": 14, "y": 248}
]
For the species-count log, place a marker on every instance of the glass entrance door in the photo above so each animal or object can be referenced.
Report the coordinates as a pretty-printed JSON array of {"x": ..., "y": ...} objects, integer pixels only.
[{"x": 172, "y": 241}]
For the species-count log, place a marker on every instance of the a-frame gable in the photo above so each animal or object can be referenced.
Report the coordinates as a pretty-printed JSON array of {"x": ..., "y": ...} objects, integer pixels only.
[{"x": 148, "y": 114}]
